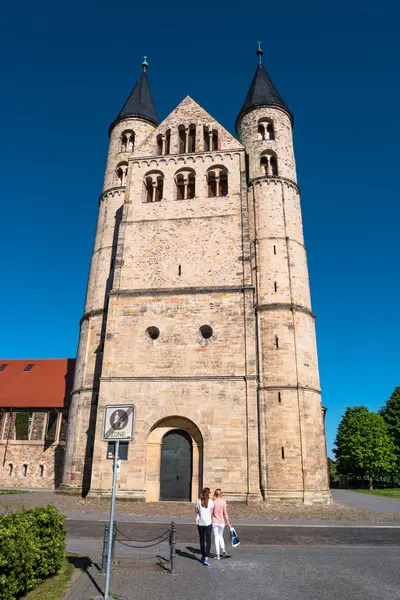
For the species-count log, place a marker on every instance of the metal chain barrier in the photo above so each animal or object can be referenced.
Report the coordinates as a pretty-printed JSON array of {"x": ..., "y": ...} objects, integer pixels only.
[{"x": 169, "y": 534}]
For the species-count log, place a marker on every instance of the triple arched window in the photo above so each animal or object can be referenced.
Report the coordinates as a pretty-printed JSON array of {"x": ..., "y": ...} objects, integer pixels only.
[
  {"x": 127, "y": 141},
  {"x": 269, "y": 164},
  {"x": 266, "y": 129},
  {"x": 153, "y": 186},
  {"x": 185, "y": 183},
  {"x": 217, "y": 182},
  {"x": 122, "y": 172}
]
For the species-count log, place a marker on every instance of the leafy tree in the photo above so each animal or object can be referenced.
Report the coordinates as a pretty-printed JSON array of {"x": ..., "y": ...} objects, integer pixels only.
[
  {"x": 391, "y": 413},
  {"x": 332, "y": 471},
  {"x": 363, "y": 444}
]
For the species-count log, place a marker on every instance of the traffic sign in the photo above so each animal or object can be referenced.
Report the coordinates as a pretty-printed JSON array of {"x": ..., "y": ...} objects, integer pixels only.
[{"x": 119, "y": 421}]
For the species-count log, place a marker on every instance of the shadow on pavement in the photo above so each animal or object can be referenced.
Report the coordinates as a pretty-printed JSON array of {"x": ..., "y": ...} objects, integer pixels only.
[
  {"x": 83, "y": 563},
  {"x": 191, "y": 554}
]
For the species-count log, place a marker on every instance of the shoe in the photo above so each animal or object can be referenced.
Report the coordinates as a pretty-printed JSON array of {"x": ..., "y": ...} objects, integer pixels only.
[
  {"x": 224, "y": 554},
  {"x": 216, "y": 557},
  {"x": 206, "y": 562}
]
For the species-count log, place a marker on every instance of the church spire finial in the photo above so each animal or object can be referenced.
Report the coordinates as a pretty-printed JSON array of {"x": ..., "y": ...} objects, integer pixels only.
[
  {"x": 259, "y": 53},
  {"x": 140, "y": 102}
]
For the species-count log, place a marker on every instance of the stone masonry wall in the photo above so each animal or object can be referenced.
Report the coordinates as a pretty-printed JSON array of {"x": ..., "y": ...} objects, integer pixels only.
[
  {"x": 181, "y": 377},
  {"x": 236, "y": 263},
  {"x": 34, "y": 455},
  {"x": 293, "y": 432},
  {"x": 89, "y": 358}
]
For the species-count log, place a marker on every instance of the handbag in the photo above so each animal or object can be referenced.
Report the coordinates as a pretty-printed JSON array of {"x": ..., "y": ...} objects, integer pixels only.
[{"x": 234, "y": 538}]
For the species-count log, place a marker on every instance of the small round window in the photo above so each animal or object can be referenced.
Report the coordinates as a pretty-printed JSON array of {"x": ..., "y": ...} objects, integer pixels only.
[
  {"x": 153, "y": 332},
  {"x": 206, "y": 331}
]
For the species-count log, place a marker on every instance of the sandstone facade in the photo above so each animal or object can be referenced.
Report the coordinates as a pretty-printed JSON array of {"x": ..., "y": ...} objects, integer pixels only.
[{"x": 197, "y": 228}]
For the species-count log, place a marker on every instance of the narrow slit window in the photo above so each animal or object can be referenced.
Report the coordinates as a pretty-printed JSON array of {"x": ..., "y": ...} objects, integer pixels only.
[
  {"x": 283, "y": 452},
  {"x": 276, "y": 342},
  {"x": 29, "y": 367},
  {"x": 179, "y": 270},
  {"x": 25, "y": 470},
  {"x": 274, "y": 249},
  {"x": 275, "y": 286},
  {"x": 279, "y": 397},
  {"x": 3, "y": 366},
  {"x": 41, "y": 471},
  {"x": 10, "y": 469}
]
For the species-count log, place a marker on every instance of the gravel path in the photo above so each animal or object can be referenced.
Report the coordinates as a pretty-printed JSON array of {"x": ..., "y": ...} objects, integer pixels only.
[{"x": 266, "y": 512}]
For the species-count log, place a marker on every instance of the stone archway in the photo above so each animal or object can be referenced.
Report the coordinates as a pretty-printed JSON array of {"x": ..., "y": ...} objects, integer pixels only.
[{"x": 154, "y": 446}]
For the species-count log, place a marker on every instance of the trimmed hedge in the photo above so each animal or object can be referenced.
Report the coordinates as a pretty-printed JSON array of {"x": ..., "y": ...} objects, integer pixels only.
[{"x": 32, "y": 547}]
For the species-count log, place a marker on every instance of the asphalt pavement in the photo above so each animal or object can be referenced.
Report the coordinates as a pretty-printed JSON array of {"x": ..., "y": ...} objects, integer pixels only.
[
  {"x": 252, "y": 573},
  {"x": 255, "y": 534},
  {"x": 285, "y": 562},
  {"x": 366, "y": 501}
]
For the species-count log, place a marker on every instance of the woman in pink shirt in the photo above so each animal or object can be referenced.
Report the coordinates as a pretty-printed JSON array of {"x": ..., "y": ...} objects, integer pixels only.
[{"x": 219, "y": 518}]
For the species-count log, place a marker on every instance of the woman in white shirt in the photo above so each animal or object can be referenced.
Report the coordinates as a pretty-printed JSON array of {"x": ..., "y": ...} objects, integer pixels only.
[{"x": 204, "y": 506}]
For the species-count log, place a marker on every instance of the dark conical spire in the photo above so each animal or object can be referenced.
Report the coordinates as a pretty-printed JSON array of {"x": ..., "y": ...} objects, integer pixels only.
[
  {"x": 262, "y": 91},
  {"x": 140, "y": 102}
]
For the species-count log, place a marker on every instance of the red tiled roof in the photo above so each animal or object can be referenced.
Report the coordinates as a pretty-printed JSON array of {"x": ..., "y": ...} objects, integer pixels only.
[{"x": 47, "y": 384}]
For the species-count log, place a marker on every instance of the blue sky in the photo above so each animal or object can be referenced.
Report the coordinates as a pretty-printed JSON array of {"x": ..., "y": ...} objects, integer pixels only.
[{"x": 67, "y": 69}]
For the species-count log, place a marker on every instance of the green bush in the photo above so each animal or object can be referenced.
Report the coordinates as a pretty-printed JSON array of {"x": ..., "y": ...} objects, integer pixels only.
[{"x": 32, "y": 547}]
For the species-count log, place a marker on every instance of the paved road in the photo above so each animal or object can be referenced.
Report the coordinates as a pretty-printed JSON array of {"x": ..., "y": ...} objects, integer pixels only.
[
  {"x": 257, "y": 573},
  {"x": 272, "y": 563},
  {"x": 366, "y": 501},
  {"x": 266, "y": 535}
]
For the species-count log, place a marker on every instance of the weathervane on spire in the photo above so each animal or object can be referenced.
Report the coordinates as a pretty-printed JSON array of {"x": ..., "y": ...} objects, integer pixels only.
[
  {"x": 145, "y": 64},
  {"x": 259, "y": 53}
]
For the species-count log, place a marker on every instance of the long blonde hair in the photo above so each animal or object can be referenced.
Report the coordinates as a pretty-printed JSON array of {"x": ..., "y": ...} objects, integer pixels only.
[
  {"x": 218, "y": 493},
  {"x": 205, "y": 496}
]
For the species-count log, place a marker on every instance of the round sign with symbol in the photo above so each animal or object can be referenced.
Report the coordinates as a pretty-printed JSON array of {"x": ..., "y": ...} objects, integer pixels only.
[
  {"x": 119, "y": 422},
  {"x": 118, "y": 419}
]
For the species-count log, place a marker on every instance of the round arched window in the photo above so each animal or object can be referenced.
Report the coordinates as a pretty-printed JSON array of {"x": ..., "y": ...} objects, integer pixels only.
[
  {"x": 153, "y": 332},
  {"x": 206, "y": 331}
]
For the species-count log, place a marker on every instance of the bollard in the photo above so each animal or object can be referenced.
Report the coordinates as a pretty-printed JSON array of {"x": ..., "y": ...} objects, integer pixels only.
[
  {"x": 172, "y": 545},
  {"x": 105, "y": 545}
]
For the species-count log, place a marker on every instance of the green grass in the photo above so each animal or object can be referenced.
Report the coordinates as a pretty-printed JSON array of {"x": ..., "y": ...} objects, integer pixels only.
[
  {"x": 388, "y": 492},
  {"x": 8, "y": 492},
  {"x": 54, "y": 588}
]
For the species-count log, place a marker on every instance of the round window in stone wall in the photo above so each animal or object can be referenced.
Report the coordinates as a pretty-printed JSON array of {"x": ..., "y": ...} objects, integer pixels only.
[
  {"x": 206, "y": 331},
  {"x": 153, "y": 332}
]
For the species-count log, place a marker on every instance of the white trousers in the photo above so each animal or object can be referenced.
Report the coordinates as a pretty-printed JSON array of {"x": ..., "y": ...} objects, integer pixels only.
[{"x": 218, "y": 531}]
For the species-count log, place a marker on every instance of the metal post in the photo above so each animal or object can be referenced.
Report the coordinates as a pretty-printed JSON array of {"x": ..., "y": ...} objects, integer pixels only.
[
  {"x": 105, "y": 546},
  {"x": 172, "y": 546},
  {"x": 105, "y": 549},
  {"x": 111, "y": 528}
]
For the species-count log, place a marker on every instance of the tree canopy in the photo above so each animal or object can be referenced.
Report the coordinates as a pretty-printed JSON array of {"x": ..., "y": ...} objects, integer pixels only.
[
  {"x": 332, "y": 471},
  {"x": 391, "y": 413},
  {"x": 363, "y": 444}
]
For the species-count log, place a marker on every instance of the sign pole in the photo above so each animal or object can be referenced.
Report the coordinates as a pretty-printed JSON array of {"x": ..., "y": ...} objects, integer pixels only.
[{"x": 111, "y": 529}]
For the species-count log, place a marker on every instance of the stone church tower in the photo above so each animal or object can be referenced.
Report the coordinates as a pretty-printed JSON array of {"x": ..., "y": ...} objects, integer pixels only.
[{"x": 198, "y": 310}]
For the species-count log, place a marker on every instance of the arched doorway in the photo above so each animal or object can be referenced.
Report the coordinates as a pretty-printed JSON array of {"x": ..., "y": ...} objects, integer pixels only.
[{"x": 176, "y": 466}]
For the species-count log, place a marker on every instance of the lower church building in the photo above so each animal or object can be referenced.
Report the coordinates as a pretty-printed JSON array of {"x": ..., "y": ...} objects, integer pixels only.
[{"x": 197, "y": 311}]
